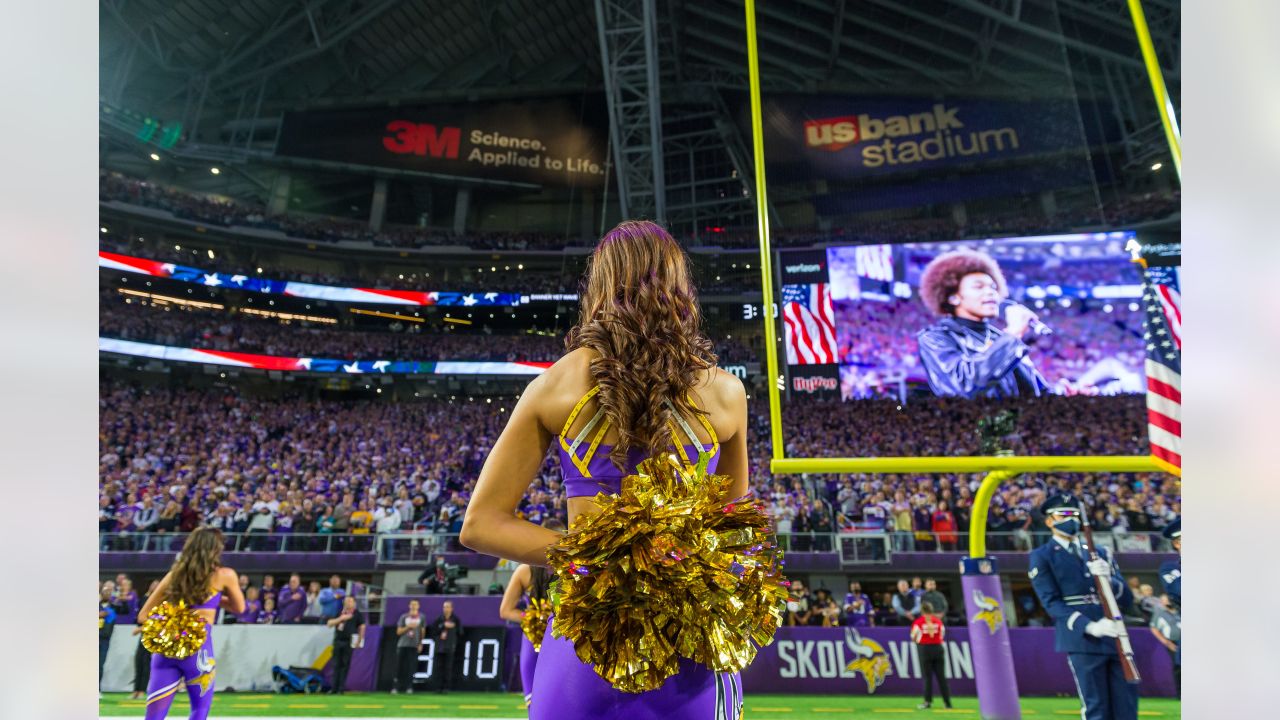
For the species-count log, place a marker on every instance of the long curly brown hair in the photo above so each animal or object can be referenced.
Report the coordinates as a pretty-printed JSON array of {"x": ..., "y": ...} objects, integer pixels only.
[
  {"x": 639, "y": 313},
  {"x": 201, "y": 555},
  {"x": 941, "y": 277}
]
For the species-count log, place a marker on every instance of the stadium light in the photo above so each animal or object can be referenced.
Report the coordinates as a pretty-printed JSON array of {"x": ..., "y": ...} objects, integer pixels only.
[
  {"x": 215, "y": 171},
  {"x": 155, "y": 157},
  {"x": 211, "y": 254},
  {"x": 102, "y": 230},
  {"x": 1157, "y": 166}
]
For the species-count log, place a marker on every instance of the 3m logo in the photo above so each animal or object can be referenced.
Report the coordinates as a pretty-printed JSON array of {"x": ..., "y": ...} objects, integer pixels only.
[
  {"x": 831, "y": 134},
  {"x": 405, "y": 138}
]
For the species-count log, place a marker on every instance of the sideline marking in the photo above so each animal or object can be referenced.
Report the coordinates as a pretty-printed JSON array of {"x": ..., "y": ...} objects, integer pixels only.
[
  {"x": 305, "y": 707},
  {"x": 477, "y": 707},
  {"x": 363, "y": 707},
  {"x": 250, "y": 705},
  {"x": 770, "y": 709}
]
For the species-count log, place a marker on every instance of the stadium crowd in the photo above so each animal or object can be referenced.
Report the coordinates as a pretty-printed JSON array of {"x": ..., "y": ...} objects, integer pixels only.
[{"x": 172, "y": 459}]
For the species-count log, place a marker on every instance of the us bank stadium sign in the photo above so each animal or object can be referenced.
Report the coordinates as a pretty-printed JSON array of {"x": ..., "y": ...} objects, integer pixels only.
[{"x": 844, "y": 137}]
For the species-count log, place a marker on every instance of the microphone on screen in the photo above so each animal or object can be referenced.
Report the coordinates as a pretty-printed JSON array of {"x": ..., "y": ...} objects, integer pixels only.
[{"x": 1037, "y": 326}]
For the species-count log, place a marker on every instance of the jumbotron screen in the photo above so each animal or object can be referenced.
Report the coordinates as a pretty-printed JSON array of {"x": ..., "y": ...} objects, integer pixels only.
[{"x": 998, "y": 318}]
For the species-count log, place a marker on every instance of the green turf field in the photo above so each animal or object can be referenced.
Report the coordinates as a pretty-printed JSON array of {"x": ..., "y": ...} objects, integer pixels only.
[{"x": 510, "y": 705}]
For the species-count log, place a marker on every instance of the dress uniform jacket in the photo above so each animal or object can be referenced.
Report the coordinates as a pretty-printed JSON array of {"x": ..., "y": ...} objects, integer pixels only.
[{"x": 1068, "y": 593}]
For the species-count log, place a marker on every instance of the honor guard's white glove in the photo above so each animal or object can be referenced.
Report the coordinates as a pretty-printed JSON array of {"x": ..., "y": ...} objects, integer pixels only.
[
  {"x": 1099, "y": 568},
  {"x": 1104, "y": 628}
]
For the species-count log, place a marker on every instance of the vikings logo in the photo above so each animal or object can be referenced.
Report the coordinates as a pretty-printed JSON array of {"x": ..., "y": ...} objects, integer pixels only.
[
  {"x": 870, "y": 659},
  {"x": 989, "y": 611},
  {"x": 204, "y": 664}
]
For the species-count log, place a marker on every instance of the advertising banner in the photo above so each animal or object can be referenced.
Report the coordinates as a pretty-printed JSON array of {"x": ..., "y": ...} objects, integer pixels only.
[
  {"x": 813, "y": 381},
  {"x": 811, "y": 137},
  {"x": 867, "y": 661},
  {"x": 551, "y": 142},
  {"x": 245, "y": 655}
]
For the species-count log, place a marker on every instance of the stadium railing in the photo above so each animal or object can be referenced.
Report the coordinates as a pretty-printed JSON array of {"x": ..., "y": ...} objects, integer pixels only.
[{"x": 855, "y": 548}]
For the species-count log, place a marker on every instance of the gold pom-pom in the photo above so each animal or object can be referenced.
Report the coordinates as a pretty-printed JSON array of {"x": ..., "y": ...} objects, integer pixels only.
[
  {"x": 173, "y": 630},
  {"x": 668, "y": 570},
  {"x": 534, "y": 622}
]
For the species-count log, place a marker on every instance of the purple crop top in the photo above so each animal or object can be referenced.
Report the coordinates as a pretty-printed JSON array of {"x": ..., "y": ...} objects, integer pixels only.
[
  {"x": 210, "y": 604},
  {"x": 590, "y": 472}
]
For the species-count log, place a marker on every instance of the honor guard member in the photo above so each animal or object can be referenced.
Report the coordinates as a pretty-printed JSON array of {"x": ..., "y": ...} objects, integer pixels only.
[
  {"x": 1063, "y": 578},
  {"x": 1171, "y": 571}
]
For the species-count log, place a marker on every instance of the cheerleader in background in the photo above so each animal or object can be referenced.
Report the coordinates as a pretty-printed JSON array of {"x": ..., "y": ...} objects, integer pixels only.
[
  {"x": 199, "y": 580},
  {"x": 528, "y": 587}
]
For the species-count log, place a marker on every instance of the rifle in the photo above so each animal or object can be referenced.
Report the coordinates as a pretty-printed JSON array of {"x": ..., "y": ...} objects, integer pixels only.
[{"x": 1110, "y": 607}]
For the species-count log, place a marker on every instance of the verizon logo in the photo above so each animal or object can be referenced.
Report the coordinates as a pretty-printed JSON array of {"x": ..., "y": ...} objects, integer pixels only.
[{"x": 804, "y": 268}]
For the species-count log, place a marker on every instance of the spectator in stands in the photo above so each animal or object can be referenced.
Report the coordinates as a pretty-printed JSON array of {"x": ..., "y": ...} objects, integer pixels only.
[
  {"x": 943, "y": 524},
  {"x": 446, "y": 630},
  {"x": 901, "y": 522},
  {"x": 169, "y": 518},
  {"x": 244, "y": 584},
  {"x": 314, "y": 609},
  {"x": 268, "y": 615},
  {"x": 348, "y": 636},
  {"x": 252, "y": 607},
  {"x": 332, "y": 597},
  {"x": 269, "y": 589},
  {"x": 799, "y": 606},
  {"x": 304, "y": 522},
  {"x": 934, "y": 598},
  {"x": 293, "y": 600},
  {"x": 885, "y": 614},
  {"x": 409, "y": 629},
  {"x": 342, "y": 514},
  {"x": 858, "y": 611},
  {"x": 821, "y": 524},
  {"x": 906, "y": 604},
  {"x": 126, "y": 602},
  {"x": 826, "y": 610},
  {"x": 327, "y": 522},
  {"x": 361, "y": 519}
]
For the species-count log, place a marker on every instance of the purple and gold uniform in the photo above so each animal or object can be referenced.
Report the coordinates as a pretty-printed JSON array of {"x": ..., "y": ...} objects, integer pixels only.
[
  {"x": 564, "y": 687},
  {"x": 169, "y": 675}
]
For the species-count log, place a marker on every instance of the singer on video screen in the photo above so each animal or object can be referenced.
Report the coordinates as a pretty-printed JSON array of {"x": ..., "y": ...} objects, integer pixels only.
[{"x": 964, "y": 354}]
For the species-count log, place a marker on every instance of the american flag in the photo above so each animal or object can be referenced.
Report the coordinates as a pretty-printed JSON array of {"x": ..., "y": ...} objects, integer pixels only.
[
  {"x": 810, "y": 324},
  {"x": 1162, "y": 333}
]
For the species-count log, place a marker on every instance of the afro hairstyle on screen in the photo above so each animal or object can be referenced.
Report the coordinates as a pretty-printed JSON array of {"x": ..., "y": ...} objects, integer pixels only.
[{"x": 941, "y": 277}]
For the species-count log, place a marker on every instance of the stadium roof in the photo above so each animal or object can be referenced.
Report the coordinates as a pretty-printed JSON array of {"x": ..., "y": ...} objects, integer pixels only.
[{"x": 221, "y": 59}]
